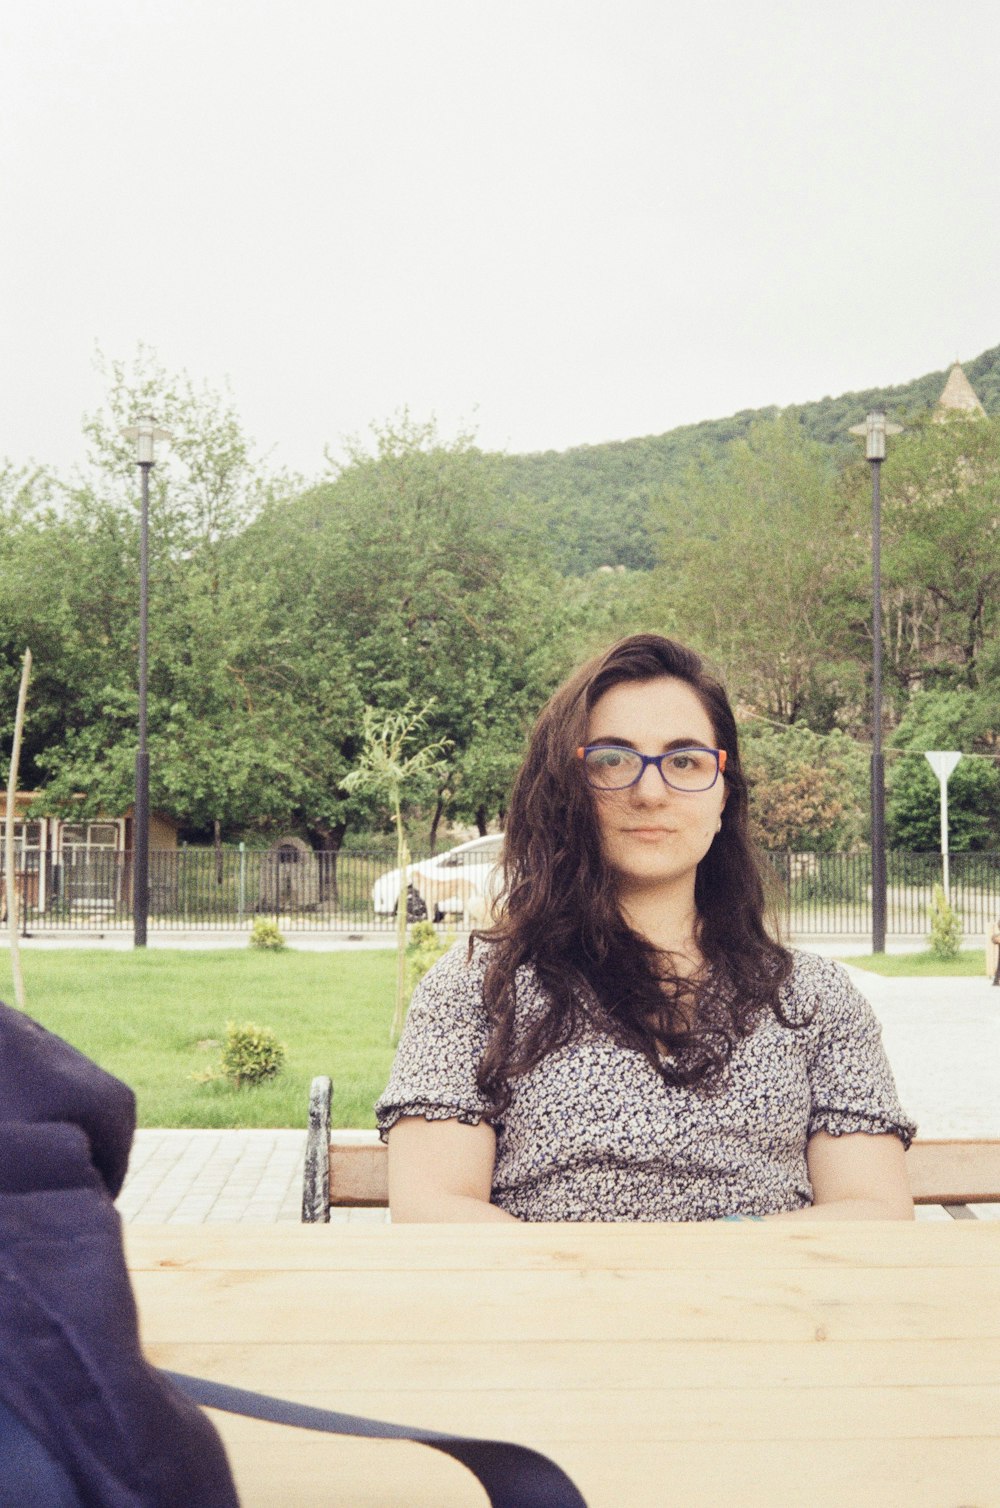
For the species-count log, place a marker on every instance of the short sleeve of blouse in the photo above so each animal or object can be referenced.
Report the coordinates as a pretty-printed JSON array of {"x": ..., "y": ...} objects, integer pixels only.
[
  {"x": 852, "y": 1086},
  {"x": 447, "y": 1027}
]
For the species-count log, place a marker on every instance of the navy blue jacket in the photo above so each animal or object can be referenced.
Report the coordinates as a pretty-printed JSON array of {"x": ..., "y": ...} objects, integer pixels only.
[{"x": 71, "y": 1368}]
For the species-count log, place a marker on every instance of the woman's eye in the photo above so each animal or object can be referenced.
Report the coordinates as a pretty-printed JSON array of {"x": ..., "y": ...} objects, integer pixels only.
[{"x": 682, "y": 762}]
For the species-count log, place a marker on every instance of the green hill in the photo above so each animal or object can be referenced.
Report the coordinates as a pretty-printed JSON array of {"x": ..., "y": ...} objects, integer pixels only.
[{"x": 592, "y": 502}]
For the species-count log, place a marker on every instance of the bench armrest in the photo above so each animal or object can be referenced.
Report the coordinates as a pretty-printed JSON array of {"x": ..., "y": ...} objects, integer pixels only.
[{"x": 316, "y": 1174}]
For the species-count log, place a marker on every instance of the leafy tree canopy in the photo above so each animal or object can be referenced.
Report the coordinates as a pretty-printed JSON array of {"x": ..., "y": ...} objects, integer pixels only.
[
  {"x": 809, "y": 791},
  {"x": 963, "y": 721},
  {"x": 760, "y": 593},
  {"x": 942, "y": 550}
]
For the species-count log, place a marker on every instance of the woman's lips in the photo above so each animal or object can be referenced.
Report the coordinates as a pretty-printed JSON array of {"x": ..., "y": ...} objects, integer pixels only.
[{"x": 650, "y": 834}]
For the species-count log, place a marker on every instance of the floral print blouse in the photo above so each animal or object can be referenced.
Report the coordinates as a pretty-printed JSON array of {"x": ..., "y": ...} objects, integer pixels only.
[{"x": 593, "y": 1132}]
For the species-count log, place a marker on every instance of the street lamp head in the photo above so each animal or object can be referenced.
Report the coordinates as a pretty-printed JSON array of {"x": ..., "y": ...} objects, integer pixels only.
[
  {"x": 874, "y": 431},
  {"x": 145, "y": 432}
]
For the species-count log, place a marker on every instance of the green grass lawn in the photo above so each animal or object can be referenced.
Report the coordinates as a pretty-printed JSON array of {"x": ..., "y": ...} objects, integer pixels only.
[
  {"x": 968, "y": 964},
  {"x": 155, "y": 1018}
]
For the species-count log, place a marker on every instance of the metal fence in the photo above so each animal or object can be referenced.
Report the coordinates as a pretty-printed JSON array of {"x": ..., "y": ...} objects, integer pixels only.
[
  {"x": 830, "y": 893},
  {"x": 199, "y": 889},
  {"x": 190, "y": 889}
]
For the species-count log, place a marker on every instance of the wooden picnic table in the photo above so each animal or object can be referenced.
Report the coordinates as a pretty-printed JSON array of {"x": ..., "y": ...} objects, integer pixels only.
[{"x": 755, "y": 1365}]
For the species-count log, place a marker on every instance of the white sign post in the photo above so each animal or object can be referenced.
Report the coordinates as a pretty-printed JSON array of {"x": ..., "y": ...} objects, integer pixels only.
[{"x": 942, "y": 764}]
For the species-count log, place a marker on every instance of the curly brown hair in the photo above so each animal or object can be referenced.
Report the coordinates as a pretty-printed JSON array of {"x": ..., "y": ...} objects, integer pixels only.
[{"x": 561, "y": 911}]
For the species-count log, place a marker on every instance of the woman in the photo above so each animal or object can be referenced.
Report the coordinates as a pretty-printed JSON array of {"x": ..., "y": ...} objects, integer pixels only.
[{"x": 628, "y": 1042}]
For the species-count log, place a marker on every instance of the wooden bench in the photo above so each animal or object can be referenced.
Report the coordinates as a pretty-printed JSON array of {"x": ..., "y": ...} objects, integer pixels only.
[{"x": 350, "y": 1168}]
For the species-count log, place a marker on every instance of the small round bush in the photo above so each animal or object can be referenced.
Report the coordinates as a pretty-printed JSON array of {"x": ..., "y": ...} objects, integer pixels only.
[
  {"x": 251, "y": 1054},
  {"x": 265, "y": 935}
]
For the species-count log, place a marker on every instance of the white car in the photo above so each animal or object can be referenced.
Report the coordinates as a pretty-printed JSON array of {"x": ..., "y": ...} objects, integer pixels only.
[{"x": 446, "y": 884}]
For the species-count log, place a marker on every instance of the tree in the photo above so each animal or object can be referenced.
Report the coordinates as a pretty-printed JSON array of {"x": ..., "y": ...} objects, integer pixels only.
[
  {"x": 26, "y": 511},
  {"x": 961, "y": 720},
  {"x": 809, "y": 791},
  {"x": 389, "y": 773},
  {"x": 760, "y": 594},
  {"x": 217, "y": 755},
  {"x": 941, "y": 552},
  {"x": 206, "y": 484},
  {"x": 432, "y": 596}
]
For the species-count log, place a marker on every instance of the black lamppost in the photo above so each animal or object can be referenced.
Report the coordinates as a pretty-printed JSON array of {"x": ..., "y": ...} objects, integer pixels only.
[
  {"x": 874, "y": 431},
  {"x": 144, "y": 433}
]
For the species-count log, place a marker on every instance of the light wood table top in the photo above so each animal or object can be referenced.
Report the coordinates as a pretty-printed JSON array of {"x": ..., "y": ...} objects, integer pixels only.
[{"x": 746, "y": 1365}]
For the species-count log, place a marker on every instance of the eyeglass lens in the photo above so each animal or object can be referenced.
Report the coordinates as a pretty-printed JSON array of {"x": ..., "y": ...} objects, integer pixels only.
[{"x": 612, "y": 769}]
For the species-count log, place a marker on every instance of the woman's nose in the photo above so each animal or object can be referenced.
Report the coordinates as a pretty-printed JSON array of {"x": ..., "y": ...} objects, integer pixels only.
[{"x": 651, "y": 784}]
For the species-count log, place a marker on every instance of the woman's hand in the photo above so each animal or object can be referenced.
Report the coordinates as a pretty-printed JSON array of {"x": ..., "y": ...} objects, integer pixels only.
[{"x": 442, "y": 1171}]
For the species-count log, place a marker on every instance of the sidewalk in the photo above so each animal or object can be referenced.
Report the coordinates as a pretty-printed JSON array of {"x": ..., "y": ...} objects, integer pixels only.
[
  {"x": 942, "y": 1037},
  {"x": 204, "y": 1177},
  {"x": 120, "y": 940}
]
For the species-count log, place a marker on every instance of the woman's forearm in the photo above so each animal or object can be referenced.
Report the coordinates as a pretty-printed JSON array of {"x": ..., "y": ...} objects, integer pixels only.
[
  {"x": 454, "y": 1209},
  {"x": 850, "y": 1209}
]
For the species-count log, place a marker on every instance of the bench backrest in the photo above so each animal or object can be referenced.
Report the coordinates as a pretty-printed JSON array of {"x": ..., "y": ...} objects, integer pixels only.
[
  {"x": 350, "y": 1168},
  {"x": 954, "y": 1172},
  {"x": 359, "y": 1175}
]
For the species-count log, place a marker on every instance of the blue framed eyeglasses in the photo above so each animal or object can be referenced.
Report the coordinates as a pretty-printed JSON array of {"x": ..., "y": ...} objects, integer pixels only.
[{"x": 609, "y": 767}]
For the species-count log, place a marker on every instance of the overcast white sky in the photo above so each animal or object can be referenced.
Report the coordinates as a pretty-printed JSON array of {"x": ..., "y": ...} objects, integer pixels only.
[{"x": 566, "y": 220}]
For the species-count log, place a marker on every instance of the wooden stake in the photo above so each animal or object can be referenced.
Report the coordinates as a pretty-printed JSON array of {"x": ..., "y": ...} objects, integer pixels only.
[{"x": 11, "y": 886}]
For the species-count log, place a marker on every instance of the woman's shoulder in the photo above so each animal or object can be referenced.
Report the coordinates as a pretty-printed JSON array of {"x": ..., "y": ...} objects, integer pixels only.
[
  {"x": 448, "y": 1003},
  {"x": 812, "y": 970},
  {"x": 460, "y": 969},
  {"x": 817, "y": 988},
  {"x": 458, "y": 976}
]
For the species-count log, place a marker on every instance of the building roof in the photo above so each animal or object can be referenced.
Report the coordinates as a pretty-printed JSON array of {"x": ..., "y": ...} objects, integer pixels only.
[{"x": 959, "y": 396}]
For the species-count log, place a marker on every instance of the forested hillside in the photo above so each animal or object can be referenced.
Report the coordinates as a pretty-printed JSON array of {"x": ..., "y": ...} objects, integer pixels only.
[{"x": 594, "y": 500}]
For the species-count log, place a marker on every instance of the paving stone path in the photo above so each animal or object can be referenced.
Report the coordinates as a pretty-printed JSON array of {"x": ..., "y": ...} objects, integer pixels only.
[{"x": 201, "y": 1177}]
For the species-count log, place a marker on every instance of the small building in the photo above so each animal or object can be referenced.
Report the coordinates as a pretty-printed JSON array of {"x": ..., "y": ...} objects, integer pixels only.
[
  {"x": 289, "y": 877},
  {"x": 80, "y": 861}
]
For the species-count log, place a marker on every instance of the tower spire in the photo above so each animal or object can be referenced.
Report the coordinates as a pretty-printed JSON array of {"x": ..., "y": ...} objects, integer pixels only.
[{"x": 959, "y": 396}]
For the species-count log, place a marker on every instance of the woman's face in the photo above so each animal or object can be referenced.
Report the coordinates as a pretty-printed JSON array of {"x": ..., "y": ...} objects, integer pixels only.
[{"x": 654, "y": 837}]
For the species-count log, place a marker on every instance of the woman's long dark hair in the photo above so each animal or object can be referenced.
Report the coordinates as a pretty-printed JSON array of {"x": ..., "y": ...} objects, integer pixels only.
[{"x": 562, "y": 913}]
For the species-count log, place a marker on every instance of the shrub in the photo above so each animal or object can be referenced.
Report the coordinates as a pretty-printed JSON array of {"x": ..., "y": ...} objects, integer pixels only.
[
  {"x": 808, "y": 790},
  {"x": 423, "y": 949},
  {"x": 250, "y": 1054},
  {"x": 946, "y": 927},
  {"x": 265, "y": 935}
]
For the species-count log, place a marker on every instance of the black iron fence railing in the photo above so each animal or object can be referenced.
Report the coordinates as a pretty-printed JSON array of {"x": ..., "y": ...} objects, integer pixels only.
[
  {"x": 830, "y": 893},
  {"x": 357, "y": 891}
]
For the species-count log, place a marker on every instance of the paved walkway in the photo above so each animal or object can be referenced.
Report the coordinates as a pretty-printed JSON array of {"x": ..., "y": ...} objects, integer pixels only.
[
  {"x": 942, "y": 1037},
  {"x": 203, "y": 1177}
]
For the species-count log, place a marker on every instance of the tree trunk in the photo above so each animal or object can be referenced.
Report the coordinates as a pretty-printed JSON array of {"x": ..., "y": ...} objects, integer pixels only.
[
  {"x": 403, "y": 864},
  {"x": 10, "y": 874},
  {"x": 481, "y": 820},
  {"x": 438, "y": 812},
  {"x": 217, "y": 841},
  {"x": 327, "y": 842}
]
